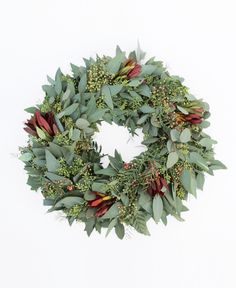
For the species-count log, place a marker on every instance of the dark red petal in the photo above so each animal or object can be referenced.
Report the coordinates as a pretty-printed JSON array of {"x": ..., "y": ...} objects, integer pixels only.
[
  {"x": 96, "y": 202},
  {"x": 134, "y": 72},
  {"x": 196, "y": 121},
  {"x": 55, "y": 129},
  {"x": 192, "y": 116},
  {"x": 164, "y": 183},
  {"x": 100, "y": 212},
  {"x": 159, "y": 185},
  {"x": 30, "y": 131},
  {"x": 43, "y": 123}
]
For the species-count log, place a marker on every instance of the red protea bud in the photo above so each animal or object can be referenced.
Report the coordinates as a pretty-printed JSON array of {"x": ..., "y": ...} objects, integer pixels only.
[
  {"x": 193, "y": 118},
  {"x": 134, "y": 72},
  {"x": 103, "y": 210},
  {"x": 155, "y": 186},
  {"x": 46, "y": 123}
]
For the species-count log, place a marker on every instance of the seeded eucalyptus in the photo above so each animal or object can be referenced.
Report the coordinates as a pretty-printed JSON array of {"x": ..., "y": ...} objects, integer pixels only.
[{"x": 64, "y": 162}]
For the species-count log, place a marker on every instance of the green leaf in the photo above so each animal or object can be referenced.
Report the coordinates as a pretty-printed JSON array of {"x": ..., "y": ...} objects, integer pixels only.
[
  {"x": 147, "y": 70},
  {"x": 144, "y": 90},
  {"x": 52, "y": 163},
  {"x": 34, "y": 182},
  {"x": 125, "y": 199},
  {"x": 181, "y": 109},
  {"x": 140, "y": 55},
  {"x": 69, "y": 110},
  {"x": 145, "y": 201},
  {"x": 142, "y": 119},
  {"x": 68, "y": 202},
  {"x": 174, "y": 135},
  {"x": 199, "y": 160},
  {"x": 96, "y": 116},
  {"x": 75, "y": 70},
  {"x": 120, "y": 230},
  {"x": 157, "y": 206},
  {"x": 172, "y": 159},
  {"x": 134, "y": 83},
  {"x": 58, "y": 84},
  {"x": 54, "y": 177},
  {"x": 116, "y": 164},
  {"x": 48, "y": 202},
  {"x": 66, "y": 95},
  {"x": 91, "y": 107},
  {"x": 139, "y": 223},
  {"x": 207, "y": 142},
  {"x": 112, "y": 212},
  {"x": 188, "y": 181},
  {"x": 147, "y": 109},
  {"x": 107, "y": 96},
  {"x": 83, "y": 83},
  {"x": 111, "y": 226},
  {"x": 185, "y": 135},
  {"x": 82, "y": 123},
  {"x": 109, "y": 171},
  {"x": 59, "y": 124},
  {"x": 30, "y": 110},
  {"x": 39, "y": 152},
  {"x": 89, "y": 225},
  {"x": 41, "y": 133},
  {"x": 99, "y": 187},
  {"x": 216, "y": 164},
  {"x": 200, "y": 180},
  {"x": 26, "y": 157},
  {"x": 88, "y": 195},
  {"x": 115, "y": 89},
  {"x": 75, "y": 135},
  {"x": 204, "y": 124},
  {"x": 113, "y": 65}
]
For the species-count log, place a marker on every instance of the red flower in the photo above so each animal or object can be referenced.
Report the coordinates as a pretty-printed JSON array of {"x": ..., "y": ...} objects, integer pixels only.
[
  {"x": 46, "y": 123},
  {"x": 156, "y": 185},
  {"x": 130, "y": 69},
  {"x": 193, "y": 118},
  {"x": 102, "y": 202},
  {"x": 134, "y": 72}
]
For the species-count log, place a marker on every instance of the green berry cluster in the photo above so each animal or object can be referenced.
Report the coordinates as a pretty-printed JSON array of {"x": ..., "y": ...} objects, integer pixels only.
[
  {"x": 69, "y": 171},
  {"x": 98, "y": 76}
]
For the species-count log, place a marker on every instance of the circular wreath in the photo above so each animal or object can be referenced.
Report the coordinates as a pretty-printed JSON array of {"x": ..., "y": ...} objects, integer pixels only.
[{"x": 64, "y": 162}]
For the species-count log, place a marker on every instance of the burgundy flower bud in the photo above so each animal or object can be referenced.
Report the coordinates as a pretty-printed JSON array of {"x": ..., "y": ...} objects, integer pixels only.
[
  {"x": 134, "y": 72},
  {"x": 193, "y": 118},
  {"x": 44, "y": 122},
  {"x": 102, "y": 202},
  {"x": 155, "y": 187}
]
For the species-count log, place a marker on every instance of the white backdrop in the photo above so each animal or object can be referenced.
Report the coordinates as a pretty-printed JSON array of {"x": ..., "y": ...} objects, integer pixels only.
[{"x": 196, "y": 39}]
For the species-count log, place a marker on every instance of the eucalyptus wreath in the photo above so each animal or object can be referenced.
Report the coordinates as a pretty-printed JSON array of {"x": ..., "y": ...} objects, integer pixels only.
[{"x": 63, "y": 160}]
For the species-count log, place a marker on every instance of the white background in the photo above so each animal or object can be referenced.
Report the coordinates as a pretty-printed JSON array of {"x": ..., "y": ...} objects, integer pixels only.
[{"x": 196, "y": 39}]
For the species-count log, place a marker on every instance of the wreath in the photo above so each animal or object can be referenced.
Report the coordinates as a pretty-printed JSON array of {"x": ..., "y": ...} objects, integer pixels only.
[{"x": 63, "y": 160}]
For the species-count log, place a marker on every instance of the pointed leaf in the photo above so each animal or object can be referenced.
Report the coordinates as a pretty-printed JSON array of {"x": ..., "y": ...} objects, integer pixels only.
[{"x": 157, "y": 207}]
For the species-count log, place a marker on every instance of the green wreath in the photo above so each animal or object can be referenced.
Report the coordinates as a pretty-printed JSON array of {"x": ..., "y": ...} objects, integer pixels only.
[{"x": 64, "y": 162}]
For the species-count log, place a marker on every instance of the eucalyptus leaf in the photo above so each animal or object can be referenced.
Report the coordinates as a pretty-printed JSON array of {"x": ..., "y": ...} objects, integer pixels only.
[
  {"x": 172, "y": 159},
  {"x": 157, "y": 208},
  {"x": 114, "y": 64},
  {"x": 26, "y": 157},
  {"x": 185, "y": 135},
  {"x": 52, "y": 163},
  {"x": 83, "y": 83},
  {"x": 188, "y": 180},
  {"x": 107, "y": 96},
  {"x": 82, "y": 123}
]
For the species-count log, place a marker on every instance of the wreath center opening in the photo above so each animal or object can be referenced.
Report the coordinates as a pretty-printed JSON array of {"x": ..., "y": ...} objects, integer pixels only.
[{"x": 112, "y": 137}]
